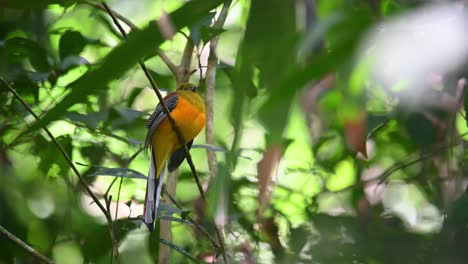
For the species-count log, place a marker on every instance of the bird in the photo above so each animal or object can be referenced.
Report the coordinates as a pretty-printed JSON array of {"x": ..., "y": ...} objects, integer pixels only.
[{"x": 187, "y": 108}]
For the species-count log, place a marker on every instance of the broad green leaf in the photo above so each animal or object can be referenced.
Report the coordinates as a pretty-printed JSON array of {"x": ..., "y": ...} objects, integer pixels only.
[{"x": 71, "y": 43}]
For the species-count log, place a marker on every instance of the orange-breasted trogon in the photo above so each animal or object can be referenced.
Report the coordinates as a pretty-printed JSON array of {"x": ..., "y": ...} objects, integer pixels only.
[{"x": 187, "y": 108}]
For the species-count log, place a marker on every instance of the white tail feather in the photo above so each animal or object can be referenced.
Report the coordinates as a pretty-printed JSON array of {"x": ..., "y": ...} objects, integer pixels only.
[{"x": 153, "y": 193}]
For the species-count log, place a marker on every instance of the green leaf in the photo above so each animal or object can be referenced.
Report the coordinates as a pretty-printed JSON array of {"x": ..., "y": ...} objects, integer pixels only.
[
  {"x": 52, "y": 161},
  {"x": 118, "y": 172},
  {"x": 250, "y": 88},
  {"x": 196, "y": 28},
  {"x": 133, "y": 95},
  {"x": 17, "y": 49},
  {"x": 124, "y": 56},
  {"x": 208, "y": 33},
  {"x": 95, "y": 152},
  {"x": 71, "y": 43}
]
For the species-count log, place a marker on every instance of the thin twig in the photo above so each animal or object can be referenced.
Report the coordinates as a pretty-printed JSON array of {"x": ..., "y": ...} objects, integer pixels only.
[
  {"x": 190, "y": 219},
  {"x": 25, "y": 246},
  {"x": 164, "y": 106},
  {"x": 75, "y": 170},
  {"x": 118, "y": 197}
]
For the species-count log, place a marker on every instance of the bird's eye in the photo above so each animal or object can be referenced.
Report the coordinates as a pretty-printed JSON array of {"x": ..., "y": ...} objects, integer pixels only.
[{"x": 192, "y": 88}]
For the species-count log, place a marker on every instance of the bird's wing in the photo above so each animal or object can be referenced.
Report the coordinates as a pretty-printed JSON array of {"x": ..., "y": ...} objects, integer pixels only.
[
  {"x": 177, "y": 157},
  {"x": 155, "y": 182},
  {"x": 158, "y": 116}
]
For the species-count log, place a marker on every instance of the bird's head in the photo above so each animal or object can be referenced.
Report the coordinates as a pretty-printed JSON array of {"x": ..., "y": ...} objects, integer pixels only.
[{"x": 187, "y": 87}]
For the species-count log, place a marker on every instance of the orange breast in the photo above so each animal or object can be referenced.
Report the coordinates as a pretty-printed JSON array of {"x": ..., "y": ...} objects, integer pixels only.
[{"x": 190, "y": 121}]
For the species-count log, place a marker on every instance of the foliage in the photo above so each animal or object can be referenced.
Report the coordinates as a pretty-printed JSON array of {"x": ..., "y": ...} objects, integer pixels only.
[{"x": 317, "y": 161}]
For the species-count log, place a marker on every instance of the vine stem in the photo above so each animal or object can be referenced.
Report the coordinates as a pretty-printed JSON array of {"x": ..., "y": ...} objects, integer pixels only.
[{"x": 25, "y": 246}]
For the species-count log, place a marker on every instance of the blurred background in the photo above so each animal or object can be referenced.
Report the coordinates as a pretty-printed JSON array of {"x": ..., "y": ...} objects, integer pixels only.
[{"x": 337, "y": 134}]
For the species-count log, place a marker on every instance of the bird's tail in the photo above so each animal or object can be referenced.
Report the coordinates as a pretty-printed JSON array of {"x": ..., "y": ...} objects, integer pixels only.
[{"x": 153, "y": 190}]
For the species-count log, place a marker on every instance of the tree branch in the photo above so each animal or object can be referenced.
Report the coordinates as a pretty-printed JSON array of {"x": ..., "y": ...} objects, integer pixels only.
[
  {"x": 75, "y": 170},
  {"x": 210, "y": 81},
  {"x": 25, "y": 246},
  {"x": 183, "y": 71}
]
